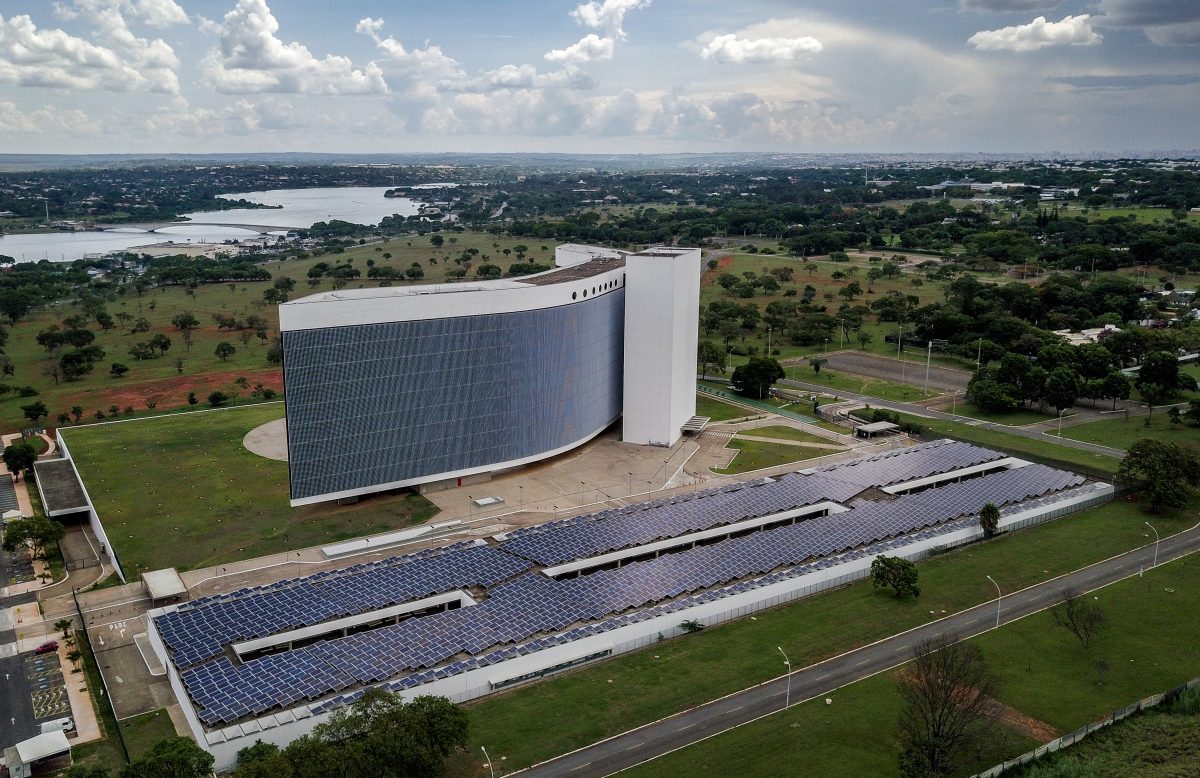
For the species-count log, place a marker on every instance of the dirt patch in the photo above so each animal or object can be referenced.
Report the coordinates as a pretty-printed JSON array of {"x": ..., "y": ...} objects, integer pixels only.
[
  {"x": 724, "y": 260},
  {"x": 172, "y": 392},
  {"x": 1032, "y": 728}
]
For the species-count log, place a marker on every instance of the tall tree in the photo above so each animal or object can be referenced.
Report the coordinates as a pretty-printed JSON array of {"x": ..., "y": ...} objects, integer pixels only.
[
  {"x": 756, "y": 377},
  {"x": 709, "y": 355},
  {"x": 947, "y": 690},
  {"x": 1168, "y": 472},
  {"x": 19, "y": 457},
  {"x": 1062, "y": 388},
  {"x": 36, "y": 534}
]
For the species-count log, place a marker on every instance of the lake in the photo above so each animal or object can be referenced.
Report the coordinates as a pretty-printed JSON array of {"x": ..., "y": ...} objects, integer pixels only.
[{"x": 301, "y": 208}]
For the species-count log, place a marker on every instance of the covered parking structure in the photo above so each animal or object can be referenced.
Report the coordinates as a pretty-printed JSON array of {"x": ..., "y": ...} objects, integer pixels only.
[{"x": 876, "y": 428}]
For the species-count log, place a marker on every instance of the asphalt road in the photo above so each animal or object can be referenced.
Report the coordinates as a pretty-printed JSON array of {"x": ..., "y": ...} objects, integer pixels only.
[
  {"x": 920, "y": 410},
  {"x": 662, "y": 737},
  {"x": 16, "y": 706}
]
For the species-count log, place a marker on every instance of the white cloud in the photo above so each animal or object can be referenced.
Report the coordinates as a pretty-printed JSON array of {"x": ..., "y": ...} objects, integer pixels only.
[
  {"x": 607, "y": 15},
  {"x": 116, "y": 60},
  {"x": 241, "y": 117},
  {"x": 417, "y": 66},
  {"x": 521, "y": 77},
  {"x": 251, "y": 59},
  {"x": 159, "y": 13},
  {"x": 737, "y": 50},
  {"x": 14, "y": 121},
  {"x": 589, "y": 48},
  {"x": 1038, "y": 34}
]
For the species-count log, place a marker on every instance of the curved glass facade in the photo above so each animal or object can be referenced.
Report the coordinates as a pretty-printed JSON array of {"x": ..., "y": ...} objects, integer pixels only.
[{"x": 405, "y": 402}]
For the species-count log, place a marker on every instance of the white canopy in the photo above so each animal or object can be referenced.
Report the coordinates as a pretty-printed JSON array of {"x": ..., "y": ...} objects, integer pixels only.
[{"x": 42, "y": 747}]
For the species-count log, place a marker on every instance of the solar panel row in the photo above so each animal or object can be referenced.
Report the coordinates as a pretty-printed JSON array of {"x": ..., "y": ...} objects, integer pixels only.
[{"x": 532, "y": 604}]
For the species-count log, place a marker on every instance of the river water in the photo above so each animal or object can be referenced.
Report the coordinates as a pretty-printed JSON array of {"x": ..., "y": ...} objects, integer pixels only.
[{"x": 301, "y": 208}]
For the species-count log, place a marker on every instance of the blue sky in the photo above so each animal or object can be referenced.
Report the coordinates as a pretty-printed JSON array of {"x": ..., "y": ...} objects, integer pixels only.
[{"x": 598, "y": 76}]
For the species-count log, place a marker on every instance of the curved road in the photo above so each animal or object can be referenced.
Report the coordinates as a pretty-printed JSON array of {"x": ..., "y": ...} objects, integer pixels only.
[{"x": 683, "y": 729}]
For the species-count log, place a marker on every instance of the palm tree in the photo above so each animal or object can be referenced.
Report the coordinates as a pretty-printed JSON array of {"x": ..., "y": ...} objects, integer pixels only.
[
  {"x": 64, "y": 626},
  {"x": 989, "y": 519}
]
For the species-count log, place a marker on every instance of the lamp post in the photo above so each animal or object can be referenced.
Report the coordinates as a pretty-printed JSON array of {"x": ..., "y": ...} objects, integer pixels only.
[
  {"x": 787, "y": 695},
  {"x": 522, "y": 493},
  {"x": 1151, "y": 526},
  {"x": 998, "y": 596},
  {"x": 491, "y": 771},
  {"x": 1060, "y": 413},
  {"x": 768, "y": 341},
  {"x": 954, "y": 401},
  {"x": 631, "y": 484}
]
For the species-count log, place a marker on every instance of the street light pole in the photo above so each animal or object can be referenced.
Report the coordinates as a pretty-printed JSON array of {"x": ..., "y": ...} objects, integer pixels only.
[
  {"x": 998, "y": 596},
  {"x": 489, "y": 761},
  {"x": 928, "y": 358},
  {"x": 1060, "y": 413},
  {"x": 1151, "y": 526},
  {"x": 787, "y": 696}
]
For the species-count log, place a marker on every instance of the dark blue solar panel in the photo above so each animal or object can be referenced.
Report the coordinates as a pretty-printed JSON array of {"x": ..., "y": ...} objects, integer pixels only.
[{"x": 522, "y": 605}]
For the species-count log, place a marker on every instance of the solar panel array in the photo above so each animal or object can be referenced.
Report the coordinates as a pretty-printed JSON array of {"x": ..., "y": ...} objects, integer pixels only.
[
  {"x": 200, "y": 629},
  {"x": 612, "y": 530},
  {"x": 524, "y": 605}
]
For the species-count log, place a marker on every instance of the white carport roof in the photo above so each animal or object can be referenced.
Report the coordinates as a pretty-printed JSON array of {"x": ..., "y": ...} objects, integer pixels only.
[{"x": 42, "y": 746}]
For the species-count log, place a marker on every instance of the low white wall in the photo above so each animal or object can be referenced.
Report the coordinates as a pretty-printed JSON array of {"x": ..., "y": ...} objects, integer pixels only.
[{"x": 477, "y": 683}]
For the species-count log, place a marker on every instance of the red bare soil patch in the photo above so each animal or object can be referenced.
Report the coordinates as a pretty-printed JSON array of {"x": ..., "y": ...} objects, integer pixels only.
[
  {"x": 724, "y": 260},
  {"x": 171, "y": 392}
]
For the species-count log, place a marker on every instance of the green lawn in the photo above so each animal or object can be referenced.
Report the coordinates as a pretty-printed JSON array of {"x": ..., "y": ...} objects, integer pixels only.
[
  {"x": 716, "y": 410},
  {"x": 1015, "y": 445},
  {"x": 564, "y": 713},
  {"x": 839, "y": 382},
  {"x": 142, "y": 732},
  {"x": 1043, "y": 672},
  {"x": 853, "y": 736},
  {"x": 1017, "y": 418},
  {"x": 1120, "y": 432},
  {"x": 784, "y": 433},
  {"x": 188, "y": 478},
  {"x": 756, "y": 454}
]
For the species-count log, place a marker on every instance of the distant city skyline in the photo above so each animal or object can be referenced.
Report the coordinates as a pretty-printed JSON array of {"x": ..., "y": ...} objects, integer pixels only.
[{"x": 601, "y": 76}]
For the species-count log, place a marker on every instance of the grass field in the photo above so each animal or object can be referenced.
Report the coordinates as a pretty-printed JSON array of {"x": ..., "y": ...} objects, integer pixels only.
[
  {"x": 784, "y": 433},
  {"x": 1017, "y": 418},
  {"x": 1016, "y": 445},
  {"x": 160, "y": 381},
  {"x": 1120, "y": 432},
  {"x": 840, "y": 383},
  {"x": 188, "y": 478},
  {"x": 719, "y": 411},
  {"x": 757, "y": 454},
  {"x": 1043, "y": 672},
  {"x": 142, "y": 732},
  {"x": 854, "y": 736},
  {"x": 563, "y": 713}
]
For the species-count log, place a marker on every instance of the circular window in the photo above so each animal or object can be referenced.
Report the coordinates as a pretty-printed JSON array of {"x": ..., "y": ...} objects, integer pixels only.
[
  {"x": 585, "y": 293},
  {"x": 574, "y": 295}
]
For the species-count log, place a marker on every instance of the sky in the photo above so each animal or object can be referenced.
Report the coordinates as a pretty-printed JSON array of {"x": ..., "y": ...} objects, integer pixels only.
[{"x": 601, "y": 76}]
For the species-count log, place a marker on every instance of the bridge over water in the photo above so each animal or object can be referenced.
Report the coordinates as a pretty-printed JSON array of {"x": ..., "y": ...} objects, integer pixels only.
[{"x": 157, "y": 227}]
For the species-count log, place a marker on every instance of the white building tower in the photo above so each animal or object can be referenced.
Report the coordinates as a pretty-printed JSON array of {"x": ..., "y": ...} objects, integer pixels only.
[{"x": 662, "y": 288}]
